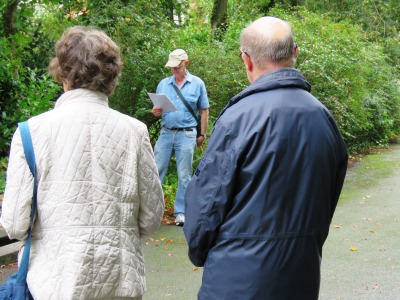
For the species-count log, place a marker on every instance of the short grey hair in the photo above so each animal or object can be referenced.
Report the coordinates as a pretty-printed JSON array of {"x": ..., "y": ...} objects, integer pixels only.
[{"x": 265, "y": 48}]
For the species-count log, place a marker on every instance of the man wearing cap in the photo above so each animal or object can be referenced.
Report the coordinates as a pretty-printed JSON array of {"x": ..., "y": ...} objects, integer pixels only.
[{"x": 178, "y": 134}]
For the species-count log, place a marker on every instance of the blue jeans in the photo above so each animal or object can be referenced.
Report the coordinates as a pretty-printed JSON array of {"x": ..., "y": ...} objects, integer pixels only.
[{"x": 182, "y": 144}]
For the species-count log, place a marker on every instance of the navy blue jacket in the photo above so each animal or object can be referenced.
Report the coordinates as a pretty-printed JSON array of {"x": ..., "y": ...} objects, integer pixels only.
[{"x": 259, "y": 206}]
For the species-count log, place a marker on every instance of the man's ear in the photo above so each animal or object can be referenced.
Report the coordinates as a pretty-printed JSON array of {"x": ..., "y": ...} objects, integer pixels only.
[
  {"x": 296, "y": 52},
  {"x": 247, "y": 61},
  {"x": 186, "y": 63}
]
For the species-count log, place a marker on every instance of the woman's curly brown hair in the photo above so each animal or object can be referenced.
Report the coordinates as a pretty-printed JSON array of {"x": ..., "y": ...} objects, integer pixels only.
[{"x": 86, "y": 58}]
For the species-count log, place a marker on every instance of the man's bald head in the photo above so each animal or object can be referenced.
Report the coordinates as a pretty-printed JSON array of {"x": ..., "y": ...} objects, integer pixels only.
[{"x": 269, "y": 42}]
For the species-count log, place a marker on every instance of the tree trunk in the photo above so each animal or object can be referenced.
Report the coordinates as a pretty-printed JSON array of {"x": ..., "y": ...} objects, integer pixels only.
[
  {"x": 170, "y": 9},
  {"x": 219, "y": 18},
  {"x": 8, "y": 17},
  {"x": 8, "y": 24}
]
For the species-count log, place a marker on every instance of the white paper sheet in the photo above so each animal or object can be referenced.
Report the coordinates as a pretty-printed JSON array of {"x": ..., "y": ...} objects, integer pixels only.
[{"x": 163, "y": 101}]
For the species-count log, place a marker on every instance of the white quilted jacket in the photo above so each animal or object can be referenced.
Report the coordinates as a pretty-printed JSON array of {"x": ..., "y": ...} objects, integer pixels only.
[{"x": 98, "y": 194}]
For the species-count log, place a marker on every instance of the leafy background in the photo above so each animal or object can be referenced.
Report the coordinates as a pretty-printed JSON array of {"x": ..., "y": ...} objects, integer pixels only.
[{"x": 349, "y": 52}]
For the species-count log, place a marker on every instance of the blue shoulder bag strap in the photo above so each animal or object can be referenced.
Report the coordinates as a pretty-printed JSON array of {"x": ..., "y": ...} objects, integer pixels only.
[{"x": 30, "y": 158}]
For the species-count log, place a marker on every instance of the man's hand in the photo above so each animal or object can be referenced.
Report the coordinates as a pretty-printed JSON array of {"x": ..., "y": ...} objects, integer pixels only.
[
  {"x": 156, "y": 111},
  {"x": 199, "y": 141}
]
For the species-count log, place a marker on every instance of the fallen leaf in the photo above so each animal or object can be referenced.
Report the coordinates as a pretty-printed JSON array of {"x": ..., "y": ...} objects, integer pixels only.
[
  {"x": 337, "y": 226},
  {"x": 376, "y": 286},
  {"x": 195, "y": 269},
  {"x": 353, "y": 249},
  {"x": 373, "y": 231},
  {"x": 169, "y": 254}
]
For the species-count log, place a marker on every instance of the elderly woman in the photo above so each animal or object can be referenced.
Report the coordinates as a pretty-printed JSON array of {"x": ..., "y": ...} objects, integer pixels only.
[{"x": 98, "y": 185}]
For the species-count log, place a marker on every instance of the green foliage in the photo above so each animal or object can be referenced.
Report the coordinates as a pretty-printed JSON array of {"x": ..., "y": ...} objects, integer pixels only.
[
  {"x": 24, "y": 92},
  {"x": 350, "y": 75},
  {"x": 3, "y": 168},
  {"x": 32, "y": 95},
  {"x": 170, "y": 186},
  {"x": 353, "y": 69},
  {"x": 142, "y": 32},
  {"x": 220, "y": 68},
  {"x": 379, "y": 20},
  {"x": 25, "y": 88}
]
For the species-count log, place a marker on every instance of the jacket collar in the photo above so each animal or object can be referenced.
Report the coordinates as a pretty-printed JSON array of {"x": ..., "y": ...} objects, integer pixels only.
[
  {"x": 279, "y": 78},
  {"x": 82, "y": 96}
]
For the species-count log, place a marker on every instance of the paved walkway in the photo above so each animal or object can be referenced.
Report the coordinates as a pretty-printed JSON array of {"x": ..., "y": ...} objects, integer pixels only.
[{"x": 361, "y": 255}]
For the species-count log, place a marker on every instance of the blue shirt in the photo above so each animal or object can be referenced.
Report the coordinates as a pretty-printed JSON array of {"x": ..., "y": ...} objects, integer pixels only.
[{"x": 194, "y": 91}]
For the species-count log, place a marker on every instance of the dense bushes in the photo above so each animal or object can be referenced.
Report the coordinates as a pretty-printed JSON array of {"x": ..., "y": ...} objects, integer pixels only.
[
  {"x": 24, "y": 92},
  {"x": 355, "y": 78},
  {"x": 351, "y": 76}
]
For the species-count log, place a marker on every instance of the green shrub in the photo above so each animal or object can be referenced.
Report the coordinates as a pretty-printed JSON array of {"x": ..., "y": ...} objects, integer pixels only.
[
  {"x": 31, "y": 95},
  {"x": 350, "y": 75},
  {"x": 3, "y": 170},
  {"x": 355, "y": 78},
  {"x": 24, "y": 92}
]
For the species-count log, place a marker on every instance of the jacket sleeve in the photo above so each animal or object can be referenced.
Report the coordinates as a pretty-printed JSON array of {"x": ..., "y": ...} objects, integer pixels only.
[
  {"x": 209, "y": 194},
  {"x": 341, "y": 171},
  {"x": 150, "y": 190},
  {"x": 16, "y": 206}
]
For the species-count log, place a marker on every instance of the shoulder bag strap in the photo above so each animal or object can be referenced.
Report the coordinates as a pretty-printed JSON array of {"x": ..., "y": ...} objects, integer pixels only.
[
  {"x": 30, "y": 158},
  {"x": 190, "y": 109}
]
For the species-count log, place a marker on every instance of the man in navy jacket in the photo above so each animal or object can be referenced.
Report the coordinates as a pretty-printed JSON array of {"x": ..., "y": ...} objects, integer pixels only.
[{"x": 259, "y": 206}]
